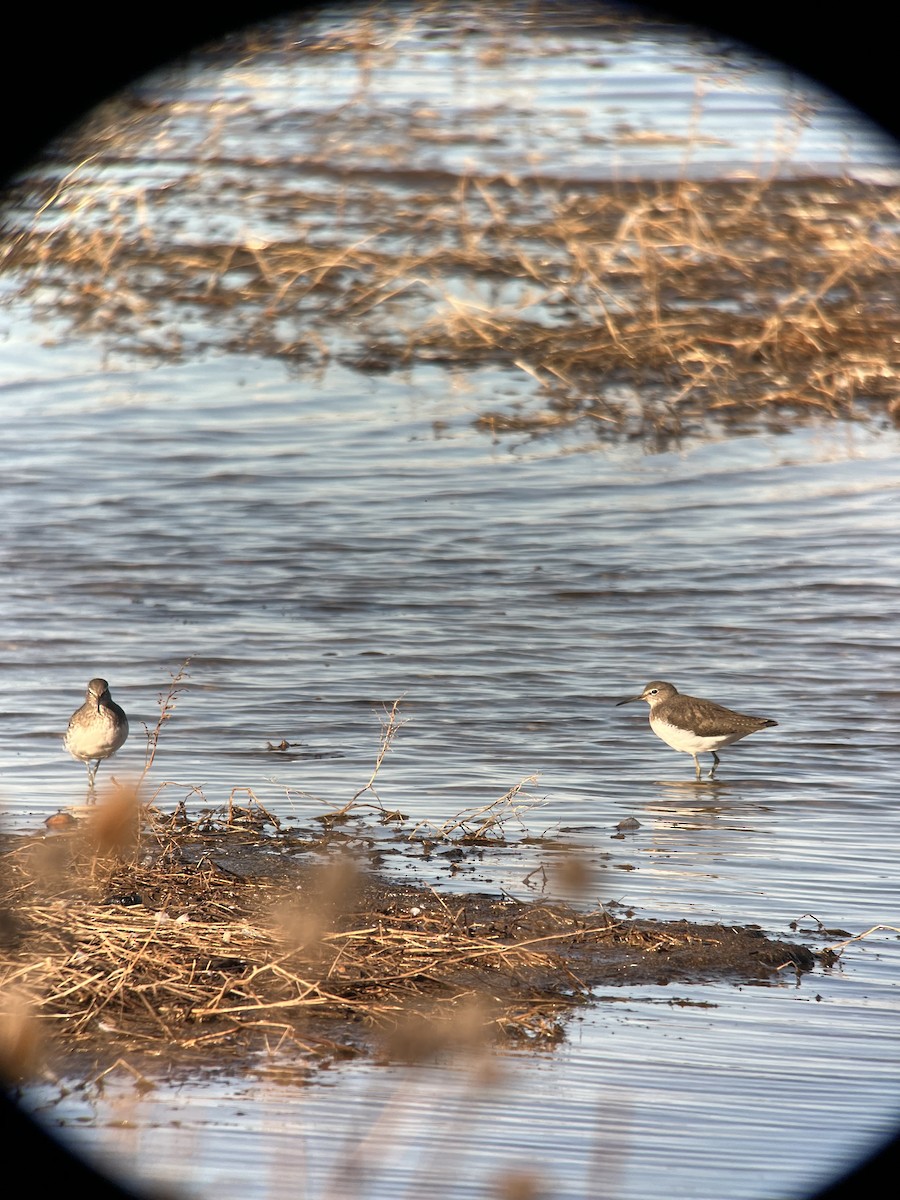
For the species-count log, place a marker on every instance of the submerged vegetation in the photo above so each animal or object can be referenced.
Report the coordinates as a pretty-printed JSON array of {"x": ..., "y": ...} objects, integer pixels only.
[
  {"x": 626, "y": 309},
  {"x": 637, "y": 309}
]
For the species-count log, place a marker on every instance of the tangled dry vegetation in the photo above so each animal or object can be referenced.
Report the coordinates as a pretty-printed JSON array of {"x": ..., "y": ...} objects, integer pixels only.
[
  {"x": 130, "y": 936},
  {"x": 635, "y": 309},
  {"x": 154, "y": 942},
  {"x": 629, "y": 310},
  {"x": 158, "y": 942},
  {"x": 626, "y": 309}
]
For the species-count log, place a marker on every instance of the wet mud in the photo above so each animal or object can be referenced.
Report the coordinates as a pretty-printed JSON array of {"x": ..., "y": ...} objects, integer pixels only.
[{"x": 204, "y": 949}]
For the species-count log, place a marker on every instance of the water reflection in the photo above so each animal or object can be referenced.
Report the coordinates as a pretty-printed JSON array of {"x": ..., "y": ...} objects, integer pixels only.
[{"x": 322, "y": 537}]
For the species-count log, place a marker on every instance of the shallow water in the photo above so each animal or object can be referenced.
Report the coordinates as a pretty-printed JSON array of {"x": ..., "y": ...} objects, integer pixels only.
[{"x": 321, "y": 544}]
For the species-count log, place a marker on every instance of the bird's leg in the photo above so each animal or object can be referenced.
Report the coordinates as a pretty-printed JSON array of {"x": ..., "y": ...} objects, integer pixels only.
[
  {"x": 712, "y": 769},
  {"x": 696, "y": 764},
  {"x": 92, "y": 774}
]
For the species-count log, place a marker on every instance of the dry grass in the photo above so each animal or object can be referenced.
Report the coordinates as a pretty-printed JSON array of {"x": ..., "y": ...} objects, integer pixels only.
[
  {"x": 743, "y": 296},
  {"x": 156, "y": 941},
  {"x": 130, "y": 930},
  {"x": 202, "y": 943},
  {"x": 625, "y": 310},
  {"x": 182, "y": 953}
]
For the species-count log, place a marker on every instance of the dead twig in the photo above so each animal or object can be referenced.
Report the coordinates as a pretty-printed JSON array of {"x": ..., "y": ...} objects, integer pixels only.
[
  {"x": 390, "y": 727},
  {"x": 839, "y": 947},
  {"x": 474, "y": 824},
  {"x": 167, "y": 702}
]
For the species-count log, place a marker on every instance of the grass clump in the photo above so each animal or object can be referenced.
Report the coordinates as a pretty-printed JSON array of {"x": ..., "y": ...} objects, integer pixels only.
[
  {"x": 631, "y": 309},
  {"x": 202, "y": 940},
  {"x": 201, "y": 949},
  {"x": 619, "y": 309}
]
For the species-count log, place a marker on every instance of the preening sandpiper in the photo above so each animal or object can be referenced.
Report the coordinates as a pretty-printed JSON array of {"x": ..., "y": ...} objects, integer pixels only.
[
  {"x": 695, "y": 726},
  {"x": 97, "y": 729}
]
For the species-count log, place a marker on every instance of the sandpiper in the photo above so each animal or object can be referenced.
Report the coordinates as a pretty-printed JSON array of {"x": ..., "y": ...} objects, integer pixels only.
[
  {"x": 97, "y": 729},
  {"x": 695, "y": 726}
]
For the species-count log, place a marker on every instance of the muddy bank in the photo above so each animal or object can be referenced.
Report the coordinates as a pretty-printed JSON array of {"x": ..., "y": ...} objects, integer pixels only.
[{"x": 199, "y": 949}]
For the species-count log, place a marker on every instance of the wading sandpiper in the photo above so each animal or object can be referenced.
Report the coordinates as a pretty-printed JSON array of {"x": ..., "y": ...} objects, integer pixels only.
[
  {"x": 694, "y": 726},
  {"x": 97, "y": 729}
]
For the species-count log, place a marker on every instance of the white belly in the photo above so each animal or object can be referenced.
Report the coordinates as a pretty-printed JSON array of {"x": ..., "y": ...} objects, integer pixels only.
[
  {"x": 100, "y": 739},
  {"x": 688, "y": 742}
]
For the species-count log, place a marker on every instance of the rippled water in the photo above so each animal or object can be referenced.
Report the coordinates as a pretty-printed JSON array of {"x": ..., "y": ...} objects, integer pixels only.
[{"x": 321, "y": 544}]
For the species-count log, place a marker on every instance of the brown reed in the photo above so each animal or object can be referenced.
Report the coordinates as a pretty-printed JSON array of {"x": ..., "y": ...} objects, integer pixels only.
[{"x": 203, "y": 946}]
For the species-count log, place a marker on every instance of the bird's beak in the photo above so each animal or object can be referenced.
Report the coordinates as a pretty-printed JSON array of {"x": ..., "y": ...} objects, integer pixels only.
[{"x": 630, "y": 700}]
